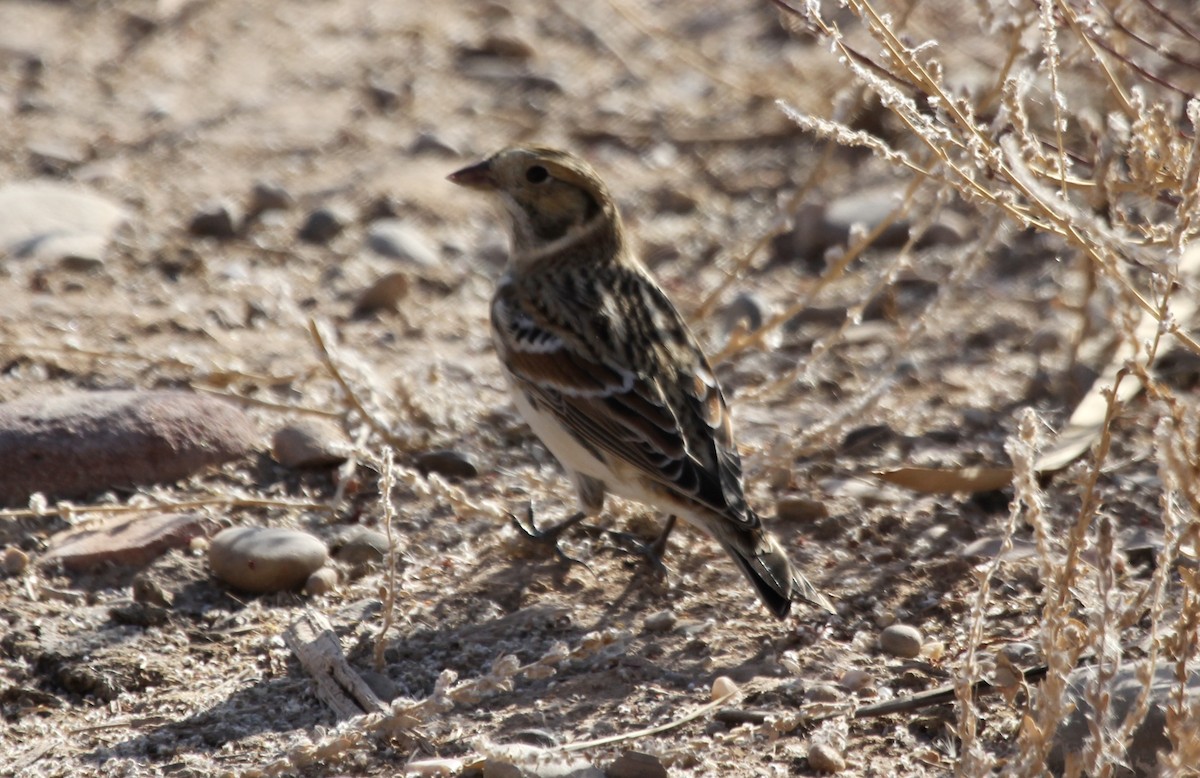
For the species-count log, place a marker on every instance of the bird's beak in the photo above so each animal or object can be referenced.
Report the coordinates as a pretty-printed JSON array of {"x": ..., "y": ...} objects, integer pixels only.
[{"x": 474, "y": 177}]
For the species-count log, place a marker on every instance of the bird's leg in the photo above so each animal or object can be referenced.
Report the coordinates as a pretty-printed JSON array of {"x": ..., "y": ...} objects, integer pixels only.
[
  {"x": 652, "y": 552},
  {"x": 549, "y": 535}
]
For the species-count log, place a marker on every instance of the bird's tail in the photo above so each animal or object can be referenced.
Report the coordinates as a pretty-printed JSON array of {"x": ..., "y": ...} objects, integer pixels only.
[{"x": 766, "y": 564}]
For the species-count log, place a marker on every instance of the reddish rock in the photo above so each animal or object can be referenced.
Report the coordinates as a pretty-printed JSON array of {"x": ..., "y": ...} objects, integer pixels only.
[
  {"x": 75, "y": 444},
  {"x": 127, "y": 541}
]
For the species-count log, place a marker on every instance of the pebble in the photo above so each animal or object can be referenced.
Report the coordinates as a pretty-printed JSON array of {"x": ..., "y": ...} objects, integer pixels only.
[
  {"x": 262, "y": 559},
  {"x": 500, "y": 46},
  {"x": 217, "y": 219},
  {"x": 452, "y": 464},
  {"x": 396, "y": 239},
  {"x": 56, "y": 157},
  {"x": 856, "y": 680},
  {"x": 800, "y": 509},
  {"x": 663, "y": 621},
  {"x": 310, "y": 443},
  {"x": 38, "y": 218},
  {"x": 383, "y": 295},
  {"x": 429, "y": 143},
  {"x": 14, "y": 561},
  {"x": 321, "y": 581},
  {"x": 383, "y": 206},
  {"x": 360, "y": 546},
  {"x": 84, "y": 442},
  {"x": 323, "y": 225},
  {"x": 745, "y": 310},
  {"x": 384, "y": 687},
  {"x": 823, "y": 692},
  {"x": 723, "y": 686},
  {"x": 824, "y": 758},
  {"x": 636, "y": 764},
  {"x": 901, "y": 640},
  {"x": 123, "y": 540},
  {"x": 81, "y": 259},
  {"x": 668, "y": 199},
  {"x": 386, "y": 97},
  {"x": 266, "y": 196},
  {"x": 817, "y": 228}
]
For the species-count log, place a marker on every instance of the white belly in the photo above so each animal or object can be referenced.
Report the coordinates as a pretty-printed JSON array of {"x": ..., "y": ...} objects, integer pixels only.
[{"x": 562, "y": 445}]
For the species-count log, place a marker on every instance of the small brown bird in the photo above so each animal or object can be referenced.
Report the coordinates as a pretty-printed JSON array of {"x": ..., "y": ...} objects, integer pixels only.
[{"x": 606, "y": 371}]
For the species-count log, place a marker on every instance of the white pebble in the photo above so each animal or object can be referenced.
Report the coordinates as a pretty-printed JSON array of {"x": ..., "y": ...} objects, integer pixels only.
[{"x": 723, "y": 686}]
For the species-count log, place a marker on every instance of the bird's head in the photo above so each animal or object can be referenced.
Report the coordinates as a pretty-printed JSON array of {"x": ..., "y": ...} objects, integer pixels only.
[{"x": 552, "y": 197}]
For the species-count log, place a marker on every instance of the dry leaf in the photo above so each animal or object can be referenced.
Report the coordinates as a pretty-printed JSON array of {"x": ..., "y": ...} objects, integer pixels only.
[{"x": 1087, "y": 420}]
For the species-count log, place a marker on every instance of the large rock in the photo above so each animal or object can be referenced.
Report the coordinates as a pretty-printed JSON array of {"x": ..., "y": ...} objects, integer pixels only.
[
  {"x": 75, "y": 444},
  {"x": 48, "y": 219},
  {"x": 1150, "y": 737}
]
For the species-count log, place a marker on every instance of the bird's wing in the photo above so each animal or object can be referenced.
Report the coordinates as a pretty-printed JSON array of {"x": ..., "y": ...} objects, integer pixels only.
[{"x": 656, "y": 407}]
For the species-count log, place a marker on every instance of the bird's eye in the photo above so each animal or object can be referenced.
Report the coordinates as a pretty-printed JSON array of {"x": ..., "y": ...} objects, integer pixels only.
[{"x": 536, "y": 174}]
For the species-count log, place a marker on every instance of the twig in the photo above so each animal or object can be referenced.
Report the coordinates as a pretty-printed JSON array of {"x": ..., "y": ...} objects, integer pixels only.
[
  {"x": 240, "y": 502},
  {"x": 679, "y": 722},
  {"x": 351, "y": 396},
  {"x": 284, "y": 407},
  {"x": 386, "y": 482},
  {"x": 925, "y": 699}
]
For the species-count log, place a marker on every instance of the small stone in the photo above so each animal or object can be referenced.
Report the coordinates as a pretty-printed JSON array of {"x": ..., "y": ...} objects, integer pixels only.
[
  {"x": 745, "y": 311},
  {"x": 383, "y": 686},
  {"x": 214, "y": 220},
  {"x": 383, "y": 295},
  {"x": 800, "y": 509},
  {"x": 323, "y": 225},
  {"x": 635, "y": 764},
  {"x": 452, "y": 464},
  {"x": 34, "y": 213},
  {"x": 824, "y": 758},
  {"x": 56, "y": 158},
  {"x": 269, "y": 197},
  {"x": 663, "y": 621},
  {"x": 382, "y": 206},
  {"x": 901, "y": 640},
  {"x": 124, "y": 541},
  {"x": 823, "y": 692},
  {"x": 500, "y": 47},
  {"x": 321, "y": 581},
  {"x": 723, "y": 686},
  {"x": 14, "y": 561},
  {"x": 428, "y": 143},
  {"x": 396, "y": 239},
  {"x": 85, "y": 261},
  {"x": 262, "y": 560},
  {"x": 668, "y": 199},
  {"x": 385, "y": 97},
  {"x": 310, "y": 443},
  {"x": 359, "y": 546},
  {"x": 856, "y": 680}
]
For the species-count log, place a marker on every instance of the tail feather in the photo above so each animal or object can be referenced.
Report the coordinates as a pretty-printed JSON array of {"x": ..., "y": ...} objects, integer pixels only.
[{"x": 767, "y": 566}]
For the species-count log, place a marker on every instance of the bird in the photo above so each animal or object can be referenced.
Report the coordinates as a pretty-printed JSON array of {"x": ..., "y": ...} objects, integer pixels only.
[{"x": 606, "y": 372}]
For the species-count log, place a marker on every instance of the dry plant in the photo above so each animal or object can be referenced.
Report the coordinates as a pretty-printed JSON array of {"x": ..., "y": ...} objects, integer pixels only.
[{"x": 1086, "y": 135}]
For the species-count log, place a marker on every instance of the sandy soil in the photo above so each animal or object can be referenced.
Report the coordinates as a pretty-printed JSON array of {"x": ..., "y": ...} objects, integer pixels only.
[{"x": 365, "y": 107}]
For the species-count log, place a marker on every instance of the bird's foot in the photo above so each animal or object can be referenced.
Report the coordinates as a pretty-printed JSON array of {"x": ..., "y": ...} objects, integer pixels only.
[
  {"x": 550, "y": 534},
  {"x": 651, "y": 553}
]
